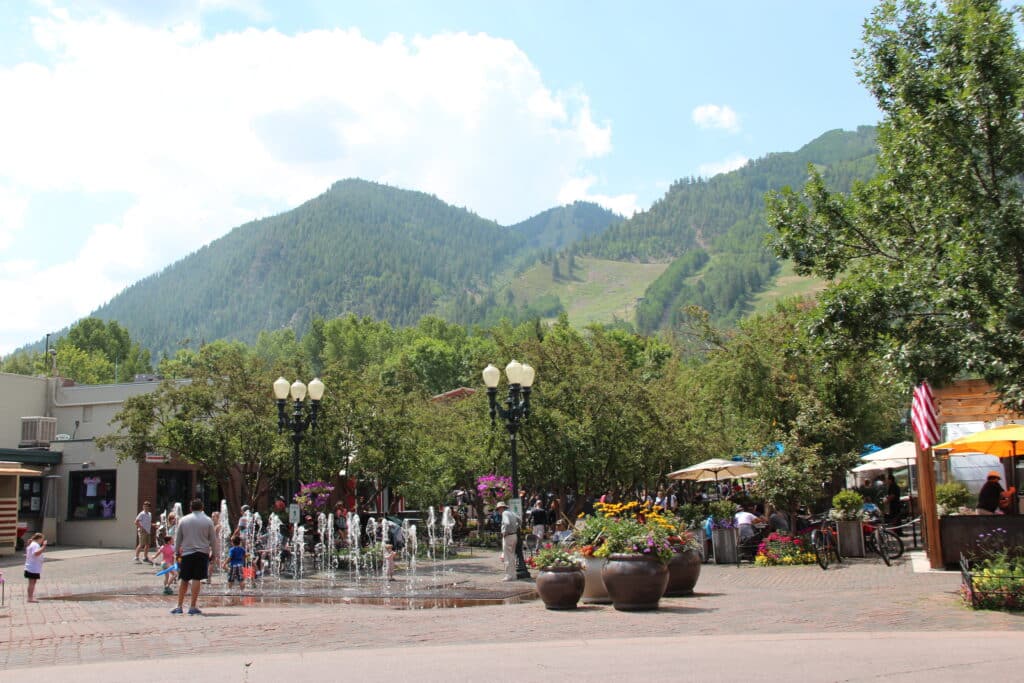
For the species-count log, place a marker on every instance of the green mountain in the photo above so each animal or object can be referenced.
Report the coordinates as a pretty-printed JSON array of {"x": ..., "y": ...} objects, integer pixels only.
[
  {"x": 563, "y": 226},
  {"x": 397, "y": 255},
  {"x": 712, "y": 230},
  {"x": 358, "y": 248}
]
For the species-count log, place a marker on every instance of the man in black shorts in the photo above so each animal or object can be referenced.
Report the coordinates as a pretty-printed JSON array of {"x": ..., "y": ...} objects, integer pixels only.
[{"x": 193, "y": 543}]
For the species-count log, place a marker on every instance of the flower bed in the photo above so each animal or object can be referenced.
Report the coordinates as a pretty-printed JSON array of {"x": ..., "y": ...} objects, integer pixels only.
[
  {"x": 779, "y": 549},
  {"x": 994, "y": 577}
]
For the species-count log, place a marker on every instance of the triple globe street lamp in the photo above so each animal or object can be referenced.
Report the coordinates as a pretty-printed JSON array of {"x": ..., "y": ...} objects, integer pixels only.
[
  {"x": 303, "y": 416},
  {"x": 517, "y": 408}
]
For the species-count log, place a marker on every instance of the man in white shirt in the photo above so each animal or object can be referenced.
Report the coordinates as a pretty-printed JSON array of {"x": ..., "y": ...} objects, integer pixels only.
[
  {"x": 509, "y": 534},
  {"x": 143, "y": 527},
  {"x": 745, "y": 521}
]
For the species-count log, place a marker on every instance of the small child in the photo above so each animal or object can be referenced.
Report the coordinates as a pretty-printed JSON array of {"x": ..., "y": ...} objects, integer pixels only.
[
  {"x": 236, "y": 562},
  {"x": 389, "y": 562},
  {"x": 34, "y": 563},
  {"x": 166, "y": 554}
]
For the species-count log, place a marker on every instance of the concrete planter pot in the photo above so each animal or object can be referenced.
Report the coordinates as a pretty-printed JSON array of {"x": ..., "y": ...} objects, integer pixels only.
[
  {"x": 560, "y": 587},
  {"x": 594, "y": 592}
]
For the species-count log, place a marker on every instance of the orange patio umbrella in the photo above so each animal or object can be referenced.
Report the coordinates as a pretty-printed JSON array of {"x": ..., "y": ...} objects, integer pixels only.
[{"x": 998, "y": 441}]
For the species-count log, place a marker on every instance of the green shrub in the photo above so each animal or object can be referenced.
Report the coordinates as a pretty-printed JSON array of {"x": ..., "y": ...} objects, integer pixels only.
[
  {"x": 848, "y": 504},
  {"x": 952, "y": 496},
  {"x": 722, "y": 512}
]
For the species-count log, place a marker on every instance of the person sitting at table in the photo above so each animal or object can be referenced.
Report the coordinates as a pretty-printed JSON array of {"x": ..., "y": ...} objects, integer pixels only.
[
  {"x": 991, "y": 497},
  {"x": 745, "y": 520}
]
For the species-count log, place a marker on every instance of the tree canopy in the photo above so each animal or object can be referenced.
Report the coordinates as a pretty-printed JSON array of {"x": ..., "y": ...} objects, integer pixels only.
[{"x": 926, "y": 260}]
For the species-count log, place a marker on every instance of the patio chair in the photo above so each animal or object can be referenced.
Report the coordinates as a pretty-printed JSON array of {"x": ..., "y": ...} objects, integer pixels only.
[{"x": 747, "y": 547}]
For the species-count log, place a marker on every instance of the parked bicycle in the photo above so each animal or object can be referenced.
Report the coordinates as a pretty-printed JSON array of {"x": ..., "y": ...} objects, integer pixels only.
[
  {"x": 825, "y": 541},
  {"x": 877, "y": 539}
]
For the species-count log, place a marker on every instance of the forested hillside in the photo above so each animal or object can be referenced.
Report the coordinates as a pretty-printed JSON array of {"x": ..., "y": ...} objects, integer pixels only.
[
  {"x": 358, "y": 248},
  {"x": 716, "y": 227},
  {"x": 562, "y": 226},
  {"x": 396, "y": 255}
]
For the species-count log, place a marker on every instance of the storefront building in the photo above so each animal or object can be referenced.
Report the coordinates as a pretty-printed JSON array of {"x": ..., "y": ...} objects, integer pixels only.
[{"x": 81, "y": 495}]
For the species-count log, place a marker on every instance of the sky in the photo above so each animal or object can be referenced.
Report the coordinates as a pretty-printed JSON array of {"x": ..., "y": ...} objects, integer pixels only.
[{"x": 133, "y": 133}]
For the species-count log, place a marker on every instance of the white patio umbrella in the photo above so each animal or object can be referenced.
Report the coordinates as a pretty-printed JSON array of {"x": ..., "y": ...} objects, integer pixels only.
[
  {"x": 879, "y": 465},
  {"x": 716, "y": 467},
  {"x": 904, "y": 450}
]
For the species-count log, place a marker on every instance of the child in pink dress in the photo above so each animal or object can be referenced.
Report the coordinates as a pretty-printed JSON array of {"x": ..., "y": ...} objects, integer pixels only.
[{"x": 166, "y": 554}]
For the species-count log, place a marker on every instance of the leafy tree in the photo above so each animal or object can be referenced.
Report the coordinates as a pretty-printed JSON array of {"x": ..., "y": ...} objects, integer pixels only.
[
  {"x": 927, "y": 259},
  {"x": 770, "y": 381},
  {"x": 84, "y": 367},
  {"x": 25, "y": 363},
  {"x": 221, "y": 418},
  {"x": 107, "y": 340}
]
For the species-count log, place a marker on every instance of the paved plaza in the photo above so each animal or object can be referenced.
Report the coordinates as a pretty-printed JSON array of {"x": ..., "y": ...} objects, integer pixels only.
[{"x": 102, "y": 617}]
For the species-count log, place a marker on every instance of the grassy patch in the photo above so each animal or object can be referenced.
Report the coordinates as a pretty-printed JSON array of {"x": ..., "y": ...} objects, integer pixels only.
[
  {"x": 787, "y": 285},
  {"x": 599, "y": 290}
]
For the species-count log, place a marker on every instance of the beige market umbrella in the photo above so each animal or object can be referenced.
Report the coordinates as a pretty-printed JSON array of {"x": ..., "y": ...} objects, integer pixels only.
[
  {"x": 904, "y": 450},
  {"x": 713, "y": 470}
]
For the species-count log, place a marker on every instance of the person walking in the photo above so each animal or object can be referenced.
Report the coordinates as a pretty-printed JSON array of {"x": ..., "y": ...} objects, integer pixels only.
[
  {"x": 194, "y": 544},
  {"x": 34, "y": 563},
  {"x": 509, "y": 534},
  {"x": 143, "y": 528}
]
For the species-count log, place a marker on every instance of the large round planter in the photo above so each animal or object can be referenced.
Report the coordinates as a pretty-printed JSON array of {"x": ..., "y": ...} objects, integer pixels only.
[
  {"x": 560, "y": 587},
  {"x": 594, "y": 592},
  {"x": 635, "y": 582},
  {"x": 683, "y": 572}
]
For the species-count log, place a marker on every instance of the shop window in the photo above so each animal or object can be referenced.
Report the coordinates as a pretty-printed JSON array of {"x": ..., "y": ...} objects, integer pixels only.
[
  {"x": 30, "y": 498},
  {"x": 173, "y": 486},
  {"x": 91, "y": 494}
]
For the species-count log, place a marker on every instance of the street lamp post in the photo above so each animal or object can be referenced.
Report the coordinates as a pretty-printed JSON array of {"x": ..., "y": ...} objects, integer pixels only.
[
  {"x": 517, "y": 409},
  {"x": 303, "y": 416}
]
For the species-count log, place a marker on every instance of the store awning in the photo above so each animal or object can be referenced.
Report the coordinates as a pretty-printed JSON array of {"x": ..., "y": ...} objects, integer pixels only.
[
  {"x": 30, "y": 456},
  {"x": 14, "y": 469}
]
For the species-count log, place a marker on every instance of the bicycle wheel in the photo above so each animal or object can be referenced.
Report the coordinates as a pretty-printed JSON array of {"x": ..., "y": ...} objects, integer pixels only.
[
  {"x": 893, "y": 544},
  {"x": 819, "y": 541},
  {"x": 881, "y": 547}
]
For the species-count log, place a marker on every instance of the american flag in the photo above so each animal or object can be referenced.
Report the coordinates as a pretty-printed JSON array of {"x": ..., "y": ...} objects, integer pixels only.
[{"x": 922, "y": 416}]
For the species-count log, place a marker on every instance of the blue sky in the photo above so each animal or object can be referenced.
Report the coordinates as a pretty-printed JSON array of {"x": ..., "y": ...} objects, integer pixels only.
[{"x": 133, "y": 133}]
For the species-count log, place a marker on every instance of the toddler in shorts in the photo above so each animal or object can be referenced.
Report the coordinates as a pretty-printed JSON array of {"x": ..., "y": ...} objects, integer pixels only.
[{"x": 235, "y": 563}]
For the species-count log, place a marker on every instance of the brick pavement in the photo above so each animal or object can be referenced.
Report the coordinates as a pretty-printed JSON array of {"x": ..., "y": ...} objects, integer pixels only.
[{"x": 858, "y": 596}]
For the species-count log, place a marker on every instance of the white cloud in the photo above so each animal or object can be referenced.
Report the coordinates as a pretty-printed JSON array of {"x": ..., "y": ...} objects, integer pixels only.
[
  {"x": 717, "y": 117},
  {"x": 204, "y": 133},
  {"x": 12, "y": 214},
  {"x": 578, "y": 189},
  {"x": 723, "y": 166}
]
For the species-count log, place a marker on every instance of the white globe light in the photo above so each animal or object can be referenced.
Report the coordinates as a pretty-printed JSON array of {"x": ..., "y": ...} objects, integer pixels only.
[
  {"x": 491, "y": 376},
  {"x": 298, "y": 390},
  {"x": 316, "y": 389},
  {"x": 528, "y": 373},
  {"x": 514, "y": 372},
  {"x": 281, "y": 387}
]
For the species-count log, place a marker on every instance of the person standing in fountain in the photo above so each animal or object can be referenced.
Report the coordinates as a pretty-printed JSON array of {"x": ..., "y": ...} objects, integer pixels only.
[
  {"x": 509, "y": 533},
  {"x": 194, "y": 543}
]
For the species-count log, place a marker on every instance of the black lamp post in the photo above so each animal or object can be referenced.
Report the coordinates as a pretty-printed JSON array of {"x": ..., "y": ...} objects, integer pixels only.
[
  {"x": 303, "y": 416},
  {"x": 517, "y": 409}
]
